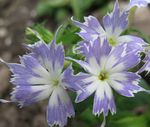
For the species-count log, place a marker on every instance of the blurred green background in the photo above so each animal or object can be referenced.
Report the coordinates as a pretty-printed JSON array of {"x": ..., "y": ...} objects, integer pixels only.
[{"x": 44, "y": 17}]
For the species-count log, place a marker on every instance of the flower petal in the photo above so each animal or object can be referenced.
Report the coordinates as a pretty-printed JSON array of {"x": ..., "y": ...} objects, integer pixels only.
[
  {"x": 51, "y": 57},
  {"x": 90, "y": 29},
  {"x": 115, "y": 22},
  {"x": 91, "y": 83},
  {"x": 103, "y": 100},
  {"x": 27, "y": 95},
  {"x": 134, "y": 43},
  {"x": 71, "y": 81},
  {"x": 138, "y": 3},
  {"x": 126, "y": 83},
  {"x": 59, "y": 108},
  {"x": 121, "y": 60}
]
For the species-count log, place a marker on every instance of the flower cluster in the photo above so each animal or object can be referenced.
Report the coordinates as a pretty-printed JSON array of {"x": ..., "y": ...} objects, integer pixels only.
[{"x": 108, "y": 57}]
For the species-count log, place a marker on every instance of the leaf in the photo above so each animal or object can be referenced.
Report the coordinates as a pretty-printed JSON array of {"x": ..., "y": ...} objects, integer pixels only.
[
  {"x": 38, "y": 32},
  {"x": 88, "y": 117}
]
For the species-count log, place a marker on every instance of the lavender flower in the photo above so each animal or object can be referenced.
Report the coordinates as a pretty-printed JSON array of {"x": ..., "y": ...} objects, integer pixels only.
[
  {"x": 138, "y": 3},
  {"x": 114, "y": 24},
  {"x": 40, "y": 76},
  {"x": 107, "y": 68}
]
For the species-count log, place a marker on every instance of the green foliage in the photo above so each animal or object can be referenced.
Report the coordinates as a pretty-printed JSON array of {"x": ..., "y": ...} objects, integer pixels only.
[
  {"x": 36, "y": 33},
  {"x": 61, "y": 9}
]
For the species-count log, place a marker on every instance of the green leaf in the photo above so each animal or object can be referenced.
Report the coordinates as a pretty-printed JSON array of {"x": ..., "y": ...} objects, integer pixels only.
[
  {"x": 38, "y": 32},
  {"x": 88, "y": 117},
  {"x": 130, "y": 121}
]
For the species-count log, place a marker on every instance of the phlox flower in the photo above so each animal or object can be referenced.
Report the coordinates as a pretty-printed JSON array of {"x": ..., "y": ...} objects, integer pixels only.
[
  {"x": 138, "y": 3},
  {"x": 39, "y": 76},
  {"x": 114, "y": 24},
  {"x": 107, "y": 68}
]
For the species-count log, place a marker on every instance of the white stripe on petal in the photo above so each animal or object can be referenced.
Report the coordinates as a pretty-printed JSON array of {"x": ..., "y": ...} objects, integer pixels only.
[
  {"x": 108, "y": 91},
  {"x": 39, "y": 80},
  {"x": 94, "y": 65},
  {"x": 118, "y": 76},
  {"x": 118, "y": 68},
  {"x": 115, "y": 85},
  {"x": 59, "y": 94},
  {"x": 42, "y": 72}
]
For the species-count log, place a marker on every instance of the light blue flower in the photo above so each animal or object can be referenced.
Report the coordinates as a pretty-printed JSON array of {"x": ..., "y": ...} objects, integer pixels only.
[
  {"x": 107, "y": 68},
  {"x": 114, "y": 24},
  {"x": 40, "y": 76}
]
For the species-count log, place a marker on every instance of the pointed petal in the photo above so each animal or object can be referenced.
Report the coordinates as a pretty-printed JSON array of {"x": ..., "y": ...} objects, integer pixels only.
[
  {"x": 90, "y": 29},
  {"x": 134, "y": 43},
  {"x": 71, "y": 81},
  {"x": 138, "y": 3},
  {"x": 116, "y": 22},
  {"x": 103, "y": 100},
  {"x": 126, "y": 83},
  {"x": 91, "y": 83},
  {"x": 26, "y": 95},
  {"x": 122, "y": 60},
  {"x": 59, "y": 108},
  {"x": 51, "y": 57}
]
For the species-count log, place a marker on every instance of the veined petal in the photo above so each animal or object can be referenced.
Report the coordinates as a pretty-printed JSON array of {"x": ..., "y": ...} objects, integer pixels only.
[
  {"x": 83, "y": 64},
  {"x": 71, "y": 81},
  {"x": 103, "y": 100},
  {"x": 138, "y": 3},
  {"x": 90, "y": 29},
  {"x": 28, "y": 72},
  {"x": 91, "y": 84},
  {"x": 115, "y": 22},
  {"x": 41, "y": 52},
  {"x": 27, "y": 95},
  {"x": 133, "y": 43},
  {"x": 51, "y": 57},
  {"x": 59, "y": 108},
  {"x": 121, "y": 60},
  {"x": 127, "y": 86}
]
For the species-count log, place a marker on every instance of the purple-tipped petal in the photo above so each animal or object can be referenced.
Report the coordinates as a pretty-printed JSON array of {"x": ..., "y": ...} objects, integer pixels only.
[
  {"x": 103, "y": 100},
  {"x": 134, "y": 43},
  {"x": 59, "y": 108},
  {"x": 120, "y": 59},
  {"x": 116, "y": 22},
  {"x": 71, "y": 81},
  {"x": 90, "y": 29},
  {"x": 138, "y": 3},
  {"x": 126, "y": 83},
  {"x": 51, "y": 57},
  {"x": 27, "y": 95},
  {"x": 90, "y": 87}
]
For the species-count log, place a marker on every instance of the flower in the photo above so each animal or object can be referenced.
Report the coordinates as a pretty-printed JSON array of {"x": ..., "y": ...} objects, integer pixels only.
[
  {"x": 114, "y": 24},
  {"x": 107, "y": 68},
  {"x": 40, "y": 76},
  {"x": 138, "y": 3}
]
